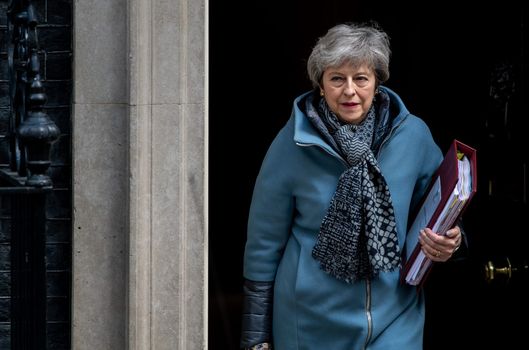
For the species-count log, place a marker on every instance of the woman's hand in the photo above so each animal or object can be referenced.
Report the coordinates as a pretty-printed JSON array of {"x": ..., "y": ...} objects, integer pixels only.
[{"x": 438, "y": 247}]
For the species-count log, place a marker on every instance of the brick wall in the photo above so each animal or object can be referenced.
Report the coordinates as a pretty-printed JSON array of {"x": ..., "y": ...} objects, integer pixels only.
[{"x": 55, "y": 36}]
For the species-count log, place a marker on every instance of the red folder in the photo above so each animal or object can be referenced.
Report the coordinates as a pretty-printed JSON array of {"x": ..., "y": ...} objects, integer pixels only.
[{"x": 442, "y": 185}]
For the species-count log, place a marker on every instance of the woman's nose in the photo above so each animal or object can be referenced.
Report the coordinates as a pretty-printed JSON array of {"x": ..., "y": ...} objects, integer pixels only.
[{"x": 349, "y": 88}]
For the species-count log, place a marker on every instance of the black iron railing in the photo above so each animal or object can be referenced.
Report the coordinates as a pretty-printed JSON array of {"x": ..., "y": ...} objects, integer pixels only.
[{"x": 24, "y": 180}]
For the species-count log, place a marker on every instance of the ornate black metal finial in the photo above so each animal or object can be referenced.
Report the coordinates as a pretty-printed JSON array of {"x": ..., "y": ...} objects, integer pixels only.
[
  {"x": 31, "y": 131},
  {"x": 37, "y": 131}
]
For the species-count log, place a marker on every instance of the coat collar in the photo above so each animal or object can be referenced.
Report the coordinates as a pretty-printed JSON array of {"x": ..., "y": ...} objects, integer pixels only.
[
  {"x": 306, "y": 135},
  {"x": 304, "y": 132}
]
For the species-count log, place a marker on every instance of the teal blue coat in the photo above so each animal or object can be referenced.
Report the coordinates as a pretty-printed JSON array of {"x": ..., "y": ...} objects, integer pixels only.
[{"x": 313, "y": 310}]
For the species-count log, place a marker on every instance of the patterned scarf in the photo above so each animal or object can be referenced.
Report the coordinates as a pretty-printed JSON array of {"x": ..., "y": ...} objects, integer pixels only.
[{"x": 358, "y": 235}]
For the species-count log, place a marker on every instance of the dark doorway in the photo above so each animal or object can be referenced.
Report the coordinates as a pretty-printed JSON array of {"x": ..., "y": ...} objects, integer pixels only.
[{"x": 464, "y": 73}]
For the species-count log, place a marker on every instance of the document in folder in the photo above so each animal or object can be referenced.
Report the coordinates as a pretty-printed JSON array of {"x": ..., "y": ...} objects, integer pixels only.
[{"x": 451, "y": 189}]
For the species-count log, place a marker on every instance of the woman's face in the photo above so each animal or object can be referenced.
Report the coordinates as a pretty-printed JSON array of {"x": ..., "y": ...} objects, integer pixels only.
[{"x": 349, "y": 91}]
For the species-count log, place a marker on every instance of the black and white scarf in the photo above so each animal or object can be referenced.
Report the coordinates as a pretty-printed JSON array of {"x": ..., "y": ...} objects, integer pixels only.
[{"x": 358, "y": 235}]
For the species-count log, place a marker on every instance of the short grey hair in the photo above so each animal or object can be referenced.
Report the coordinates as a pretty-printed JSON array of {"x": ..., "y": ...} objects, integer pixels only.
[{"x": 351, "y": 43}]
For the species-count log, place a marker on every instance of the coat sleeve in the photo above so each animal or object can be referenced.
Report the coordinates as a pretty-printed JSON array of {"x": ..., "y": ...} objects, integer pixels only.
[
  {"x": 271, "y": 211},
  {"x": 257, "y": 313},
  {"x": 269, "y": 222},
  {"x": 429, "y": 157}
]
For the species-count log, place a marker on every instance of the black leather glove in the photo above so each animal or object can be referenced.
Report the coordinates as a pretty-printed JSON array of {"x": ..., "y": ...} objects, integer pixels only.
[{"x": 257, "y": 313}]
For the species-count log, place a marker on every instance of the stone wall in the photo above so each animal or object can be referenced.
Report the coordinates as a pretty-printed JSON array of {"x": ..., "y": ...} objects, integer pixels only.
[{"x": 140, "y": 150}]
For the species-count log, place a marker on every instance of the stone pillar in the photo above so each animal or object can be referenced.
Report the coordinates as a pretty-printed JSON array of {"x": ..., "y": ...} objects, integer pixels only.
[
  {"x": 167, "y": 294},
  {"x": 140, "y": 144},
  {"x": 100, "y": 175}
]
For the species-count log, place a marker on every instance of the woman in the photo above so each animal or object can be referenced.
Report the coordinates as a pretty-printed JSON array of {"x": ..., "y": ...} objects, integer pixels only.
[{"x": 330, "y": 209}]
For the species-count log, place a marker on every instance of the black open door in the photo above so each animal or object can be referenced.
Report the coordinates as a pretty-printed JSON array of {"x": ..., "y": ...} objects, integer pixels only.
[{"x": 465, "y": 72}]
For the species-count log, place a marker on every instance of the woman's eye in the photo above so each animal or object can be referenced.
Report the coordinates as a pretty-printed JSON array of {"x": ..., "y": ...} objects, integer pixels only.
[
  {"x": 336, "y": 81},
  {"x": 361, "y": 81}
]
